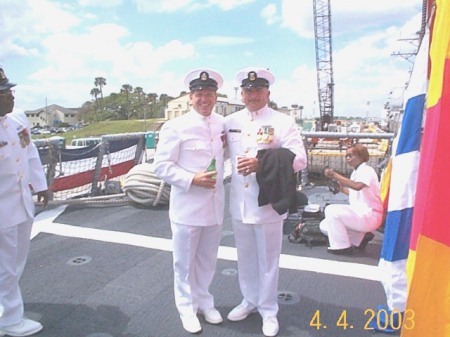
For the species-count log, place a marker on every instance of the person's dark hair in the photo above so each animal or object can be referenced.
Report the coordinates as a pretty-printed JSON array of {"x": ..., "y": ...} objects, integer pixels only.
[{"x": 361, "y": 151}]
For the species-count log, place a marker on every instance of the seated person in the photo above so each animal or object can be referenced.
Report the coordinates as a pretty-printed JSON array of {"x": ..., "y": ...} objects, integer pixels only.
[{"x": 351, "y": 225}]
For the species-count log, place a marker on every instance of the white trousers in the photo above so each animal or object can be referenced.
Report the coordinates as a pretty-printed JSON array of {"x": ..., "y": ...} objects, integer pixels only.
[
  {"x": 345, "y": 227},
  {"x": 14, "y": 248},
  {"x": 259, "y": 248},
  {"x": 194, "y": 264}
]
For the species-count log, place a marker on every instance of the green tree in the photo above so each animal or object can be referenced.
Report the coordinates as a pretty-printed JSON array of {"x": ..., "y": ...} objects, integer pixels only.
[
  {"x": 86, "y": 112},
  {"x": 140, "y": 97},
  {"x": 163, "y": 99},
  {"x": 95, "y": 92},
  {"x": 151, "y": 99},
  {"x": 127, "y": 89},
  {"x": 99, "y": 83}
]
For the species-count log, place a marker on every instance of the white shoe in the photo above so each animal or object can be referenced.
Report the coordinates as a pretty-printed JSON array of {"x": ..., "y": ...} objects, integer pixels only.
[
  {"x": 26, "y": 327},
  {"x": 270, "y": 326},
  {"x": 240, "y": 312},
  {"x": 191, "y": 324},
  {"x": 212, "y": 316}
]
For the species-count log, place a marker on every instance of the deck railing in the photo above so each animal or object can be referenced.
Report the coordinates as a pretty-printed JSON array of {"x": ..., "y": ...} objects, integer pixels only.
[{"x": 86, "y": 171}]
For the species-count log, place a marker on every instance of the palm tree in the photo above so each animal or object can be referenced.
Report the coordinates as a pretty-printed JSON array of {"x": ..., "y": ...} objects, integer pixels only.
[
  {"x": 152, "y": 99},
  {"x": 99, "y": 83},
  {"x": 127, "y": 89},
  {"x": 95, "y": 92},
  {"x": 164, "y": 98},
  {"x": 139, "y": 93}
]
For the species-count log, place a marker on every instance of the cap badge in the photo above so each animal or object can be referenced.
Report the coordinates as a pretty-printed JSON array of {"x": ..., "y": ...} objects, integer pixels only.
[
  {"x": 252, "y": 76},
  {"x": 2, "y": 75},
  {"x": 204, "y": 76}
]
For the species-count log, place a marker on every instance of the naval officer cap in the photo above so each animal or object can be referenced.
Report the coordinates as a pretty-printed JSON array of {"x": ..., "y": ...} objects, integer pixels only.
[
  {"x": 255, "y": 77},
  {"x": 203, "y": 78},
  {"x": 4, "y": 82}
]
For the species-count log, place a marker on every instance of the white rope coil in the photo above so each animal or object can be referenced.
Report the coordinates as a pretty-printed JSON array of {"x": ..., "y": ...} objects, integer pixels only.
[
  {"x": 144, "y": 187},
  {"x": 141, "y": 186},
  {"x": 103, "y": 200}
]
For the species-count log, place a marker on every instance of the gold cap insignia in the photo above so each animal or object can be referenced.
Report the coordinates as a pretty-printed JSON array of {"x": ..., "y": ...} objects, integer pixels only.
[
  {"x": 252, "y": 76},
  {"x": 2, "y": 75},
  {"x": 204, "y": 76}
]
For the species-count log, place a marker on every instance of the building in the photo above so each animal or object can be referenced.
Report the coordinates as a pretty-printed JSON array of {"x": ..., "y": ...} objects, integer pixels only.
[
  {"x": 52, "y": 116},
  {"x": 179, "y": 106}
]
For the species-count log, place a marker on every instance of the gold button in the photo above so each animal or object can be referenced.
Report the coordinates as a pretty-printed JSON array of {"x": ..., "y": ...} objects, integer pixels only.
[{"x": 246, "y": 185}]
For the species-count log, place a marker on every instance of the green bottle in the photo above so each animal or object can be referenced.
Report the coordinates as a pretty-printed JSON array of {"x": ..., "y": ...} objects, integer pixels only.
[{"x": 212, "y": 167}]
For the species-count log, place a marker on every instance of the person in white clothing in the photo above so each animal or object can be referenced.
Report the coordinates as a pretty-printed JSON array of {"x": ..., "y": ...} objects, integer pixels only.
[
  {"x": 21, "y": 173},
  {"x": 187, "y": 147},
  {"x": 352, "y": 225},
  {"x": 258, "y": 230}
]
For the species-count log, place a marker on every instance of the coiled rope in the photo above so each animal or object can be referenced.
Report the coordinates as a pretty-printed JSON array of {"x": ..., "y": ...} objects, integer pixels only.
[
  {"x": 144, "y": 187},
  {"x": 141, "y": 186},
  {"x": 99, "y": 201}
]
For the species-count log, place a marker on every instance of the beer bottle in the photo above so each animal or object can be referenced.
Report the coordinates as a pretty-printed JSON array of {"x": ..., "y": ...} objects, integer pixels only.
[{"x": 212, "y": 167}]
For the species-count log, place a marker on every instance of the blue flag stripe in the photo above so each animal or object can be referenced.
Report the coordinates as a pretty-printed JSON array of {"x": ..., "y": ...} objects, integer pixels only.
[
  {"x": 397, "y": 247},
  {"x": 410, "y": 135}
]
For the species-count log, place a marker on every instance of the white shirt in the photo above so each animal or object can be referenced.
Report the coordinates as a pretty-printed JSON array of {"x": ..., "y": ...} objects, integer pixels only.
[{"x": 367, "y": 199}]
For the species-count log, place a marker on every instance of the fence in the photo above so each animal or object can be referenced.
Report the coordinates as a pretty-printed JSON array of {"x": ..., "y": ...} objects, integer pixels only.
[
  {"x": 329, "y": 148},
  {"x": 77, "y": 172},
  {"x": 88, "y": 171}
]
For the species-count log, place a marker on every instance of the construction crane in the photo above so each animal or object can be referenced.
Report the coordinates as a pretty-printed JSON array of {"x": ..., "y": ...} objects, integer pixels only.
[{"x": 324, "y": 61}]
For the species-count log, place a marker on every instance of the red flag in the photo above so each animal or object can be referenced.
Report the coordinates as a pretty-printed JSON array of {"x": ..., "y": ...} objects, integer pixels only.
[{"x": 428, "y": 307}]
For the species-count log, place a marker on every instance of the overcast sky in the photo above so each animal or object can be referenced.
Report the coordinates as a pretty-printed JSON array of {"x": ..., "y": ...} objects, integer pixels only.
[{"x": 54, "y": 49}]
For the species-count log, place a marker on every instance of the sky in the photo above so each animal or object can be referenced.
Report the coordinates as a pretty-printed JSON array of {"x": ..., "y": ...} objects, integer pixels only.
[{"x": 54, "y": 49}]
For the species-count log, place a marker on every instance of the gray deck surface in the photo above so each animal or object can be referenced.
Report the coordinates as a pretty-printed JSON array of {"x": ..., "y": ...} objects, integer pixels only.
[{"x": 106, "y": 271}]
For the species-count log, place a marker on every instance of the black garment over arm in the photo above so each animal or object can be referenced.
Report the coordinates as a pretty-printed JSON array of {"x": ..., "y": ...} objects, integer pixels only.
[{"x": 277, "y": 180}]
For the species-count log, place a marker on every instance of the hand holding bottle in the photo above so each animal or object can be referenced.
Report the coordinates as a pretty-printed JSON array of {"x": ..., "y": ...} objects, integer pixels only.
[{"x": 207, "y": 179}]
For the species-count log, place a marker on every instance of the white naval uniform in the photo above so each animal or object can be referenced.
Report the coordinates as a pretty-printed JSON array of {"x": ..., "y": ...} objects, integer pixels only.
[
  {"x": 258, "y": 230},
  {"x": 346, "y": 225},
  {"x": 20, "y": 167},
  {"x": 186, "y": 146}
]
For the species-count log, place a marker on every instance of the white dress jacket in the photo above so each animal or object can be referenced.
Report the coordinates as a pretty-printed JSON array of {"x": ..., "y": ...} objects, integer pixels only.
[
  {"x": 20, "y": 170},
  {"x": 186, "y": 146},
  {"x": 247, "y": 133}
]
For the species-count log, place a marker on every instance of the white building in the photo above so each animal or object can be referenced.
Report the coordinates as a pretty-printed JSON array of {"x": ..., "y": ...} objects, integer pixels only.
[
  {"x": 179, "y": 106},
  {"x": 52, "y": 116}
]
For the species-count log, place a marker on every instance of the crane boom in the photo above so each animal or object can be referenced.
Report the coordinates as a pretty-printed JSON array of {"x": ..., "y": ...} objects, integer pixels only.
[{"x": 324, "y": 61}]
